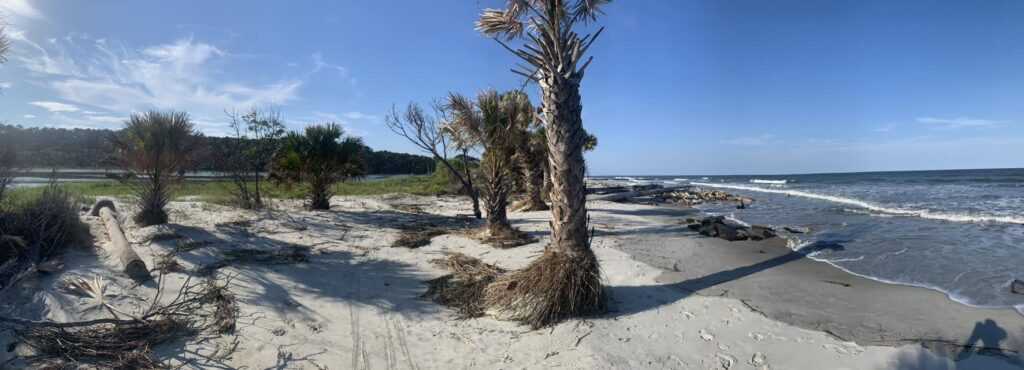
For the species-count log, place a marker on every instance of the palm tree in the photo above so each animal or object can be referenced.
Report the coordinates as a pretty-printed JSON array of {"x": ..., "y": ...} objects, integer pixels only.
[
  {"x": 496, "y": 122},
  {"x": 320, "y": 158},
  {"x": 566, "y": 280},
  {"x": 156, "y": 148},
  {"x": 532, "y": 157}
]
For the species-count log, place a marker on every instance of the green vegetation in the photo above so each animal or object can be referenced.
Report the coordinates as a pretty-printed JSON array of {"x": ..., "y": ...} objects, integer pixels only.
[
  {"x": 155, "y": 149},
  {"x": 49, "y": 147},
  {"x": 36, "y": 226},
  {"x": 221, "y": 192},
  {"x": 319, "y": 158}
]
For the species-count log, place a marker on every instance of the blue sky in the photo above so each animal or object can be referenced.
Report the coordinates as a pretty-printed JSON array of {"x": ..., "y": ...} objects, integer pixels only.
[{"x": 677, "y": 87}]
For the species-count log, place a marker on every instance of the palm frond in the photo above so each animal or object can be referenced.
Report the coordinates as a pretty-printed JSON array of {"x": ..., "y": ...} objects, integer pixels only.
[
  {"x": 500, "y": 23},
  {"x": 588, "y": 10}
]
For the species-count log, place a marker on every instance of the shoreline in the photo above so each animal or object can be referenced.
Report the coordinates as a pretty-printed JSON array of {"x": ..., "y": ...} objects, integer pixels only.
[{"x": 787, "y": 286}]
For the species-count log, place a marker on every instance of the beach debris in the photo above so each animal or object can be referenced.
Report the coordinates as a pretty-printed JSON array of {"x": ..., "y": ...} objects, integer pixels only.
[
  {"x": 119, "y": 248},
  {"x": 720, "y": 227},
  {"x": 463, "y": 289},
  {"x": 413, "y": 239},
  {"x": 100, "y": 204},
  {"x": 1017, "y": 286},
  {"x": 797, "y": 229},
  {"x": 118, "y": 343}
]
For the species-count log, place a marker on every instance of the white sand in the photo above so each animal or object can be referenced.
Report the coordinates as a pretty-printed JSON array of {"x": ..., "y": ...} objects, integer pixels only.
[{"x": 355, "y": 304}]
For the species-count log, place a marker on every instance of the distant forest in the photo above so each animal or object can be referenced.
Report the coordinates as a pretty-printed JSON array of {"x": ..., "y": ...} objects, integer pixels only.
[{"x": 46, "y": 147}]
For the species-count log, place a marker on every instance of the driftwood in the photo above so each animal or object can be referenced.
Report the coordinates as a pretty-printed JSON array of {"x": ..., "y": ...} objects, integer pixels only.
[
  {"x": 618, "y": 197},
  {"x": 121, "y": 249}
]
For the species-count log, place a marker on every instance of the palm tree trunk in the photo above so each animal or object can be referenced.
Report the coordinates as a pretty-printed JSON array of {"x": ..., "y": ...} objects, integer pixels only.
[
  {"x": 563, "y": 116},
  {"x": 533, "y": 174}
]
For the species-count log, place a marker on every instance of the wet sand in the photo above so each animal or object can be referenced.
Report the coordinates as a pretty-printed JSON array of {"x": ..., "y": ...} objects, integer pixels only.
[{"x": 770, "y": 278}]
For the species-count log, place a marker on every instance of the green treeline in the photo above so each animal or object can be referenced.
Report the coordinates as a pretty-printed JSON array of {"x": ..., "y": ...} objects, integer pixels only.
[{"x": 48, "y": 147}]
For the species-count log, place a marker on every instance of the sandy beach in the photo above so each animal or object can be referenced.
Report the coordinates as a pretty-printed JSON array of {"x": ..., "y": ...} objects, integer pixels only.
[{"x": 679, "y": 301}]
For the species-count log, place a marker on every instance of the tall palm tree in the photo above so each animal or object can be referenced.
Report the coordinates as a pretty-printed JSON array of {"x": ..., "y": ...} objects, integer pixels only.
[
  {"x": 319, "y": 158},
  {"x": 566, "y": 280},
  {"x": 496, "y": 122}
]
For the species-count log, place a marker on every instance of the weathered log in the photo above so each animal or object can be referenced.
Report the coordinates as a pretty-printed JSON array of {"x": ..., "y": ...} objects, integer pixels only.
[
  {"x": 119, "y": 247},
  {"x": 618, "y": 197}
]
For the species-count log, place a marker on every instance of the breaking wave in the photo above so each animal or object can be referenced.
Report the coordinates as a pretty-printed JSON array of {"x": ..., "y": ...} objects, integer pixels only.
[{"x": 953, "y": 217}]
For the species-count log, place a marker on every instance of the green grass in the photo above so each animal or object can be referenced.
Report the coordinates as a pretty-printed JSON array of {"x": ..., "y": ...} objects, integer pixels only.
[{"x": 220, "y": 191}]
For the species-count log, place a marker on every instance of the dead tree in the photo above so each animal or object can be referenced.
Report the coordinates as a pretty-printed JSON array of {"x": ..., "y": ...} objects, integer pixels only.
[{"x": 424, "y": 131}]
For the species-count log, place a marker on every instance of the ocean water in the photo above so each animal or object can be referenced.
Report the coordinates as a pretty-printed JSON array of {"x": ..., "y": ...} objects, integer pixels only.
[{"x": 958, "y": 231}]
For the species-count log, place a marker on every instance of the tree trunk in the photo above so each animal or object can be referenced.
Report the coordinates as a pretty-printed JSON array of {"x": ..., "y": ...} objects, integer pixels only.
[
  {"x": 495, "y": 168},
  {"x": 562, "y": 115},
  {"x": 533, "y": 173}
]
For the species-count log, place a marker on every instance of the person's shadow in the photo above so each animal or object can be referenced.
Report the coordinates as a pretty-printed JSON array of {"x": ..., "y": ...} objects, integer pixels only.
[{"x": 986, "y": 339}]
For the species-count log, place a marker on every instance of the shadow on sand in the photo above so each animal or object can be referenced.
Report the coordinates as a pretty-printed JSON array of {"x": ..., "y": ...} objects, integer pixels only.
[{"x": 635, "y": 299}]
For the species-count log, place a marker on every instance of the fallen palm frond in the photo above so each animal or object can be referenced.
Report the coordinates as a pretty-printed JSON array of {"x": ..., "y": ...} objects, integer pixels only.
[
  {"x": 127, "y": 343},
  {"x": 463, "y": 289}
]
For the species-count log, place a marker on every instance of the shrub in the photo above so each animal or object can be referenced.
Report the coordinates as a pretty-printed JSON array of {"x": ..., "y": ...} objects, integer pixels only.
[
  {"x": 156, "y": 148},
  {"x": 36, "y": 228},
  {"x": 319, "y": 158}
]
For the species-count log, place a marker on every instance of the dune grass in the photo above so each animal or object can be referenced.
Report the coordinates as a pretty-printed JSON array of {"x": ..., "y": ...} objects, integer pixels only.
[{"x": 220, "y": 192}]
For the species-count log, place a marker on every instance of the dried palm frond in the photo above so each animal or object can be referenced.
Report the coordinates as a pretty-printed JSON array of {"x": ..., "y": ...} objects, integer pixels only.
[
  {"x": 463, "y": 289},
  {"x": 96, "y": 290}
]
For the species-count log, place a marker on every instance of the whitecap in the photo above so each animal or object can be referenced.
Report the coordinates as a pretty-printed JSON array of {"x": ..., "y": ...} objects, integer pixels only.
[{"x": 954, "y": 217}]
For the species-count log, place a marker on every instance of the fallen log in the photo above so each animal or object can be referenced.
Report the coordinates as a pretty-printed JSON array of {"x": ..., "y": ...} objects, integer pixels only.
[
  {"x": 618, "y": 197},
  {"x": 119, "y": 247}
]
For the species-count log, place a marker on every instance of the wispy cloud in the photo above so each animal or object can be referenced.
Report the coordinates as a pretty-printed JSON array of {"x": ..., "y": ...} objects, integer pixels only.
[
  {"x": 320, "y": 64},
  {"x": 885, "y": 128},
  {"x": 5, "y": 85},
  {"x": 960, "y": 122},
  {"x": 19, "y": 8},
  {"x": 29, "y": 116},
  {"x": 764, "y": 139},
  {"x": 104, "y": 76},
  {"x": 55, "y": 107}
]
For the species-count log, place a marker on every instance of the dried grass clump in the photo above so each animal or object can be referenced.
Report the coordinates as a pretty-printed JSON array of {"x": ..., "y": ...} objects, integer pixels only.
[
  {"x": 463, "y": 289},
  {"x": 413, "y": 239},
  {"x": 36, "y": 229},
  {"x": 553, "y": 287}
]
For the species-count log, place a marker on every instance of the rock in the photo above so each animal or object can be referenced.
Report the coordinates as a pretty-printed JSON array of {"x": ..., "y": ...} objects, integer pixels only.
[
  {"x": 1017, "y": 286},
  {"x": 797, "y": 229},
  {"x": 694, "y": 226},
  {"x": 760, "y": 232},
  {"x": 730, "y": 233}
]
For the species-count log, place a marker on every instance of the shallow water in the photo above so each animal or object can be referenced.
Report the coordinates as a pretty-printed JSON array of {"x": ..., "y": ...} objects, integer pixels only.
[{"x": 960, "y": 232}]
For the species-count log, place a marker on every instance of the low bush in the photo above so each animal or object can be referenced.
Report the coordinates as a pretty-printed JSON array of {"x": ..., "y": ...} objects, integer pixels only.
[{"x": 37, "y": 227}]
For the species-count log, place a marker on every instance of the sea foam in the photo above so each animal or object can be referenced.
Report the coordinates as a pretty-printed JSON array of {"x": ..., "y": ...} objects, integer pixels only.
[{"x": 954, "y": 217}]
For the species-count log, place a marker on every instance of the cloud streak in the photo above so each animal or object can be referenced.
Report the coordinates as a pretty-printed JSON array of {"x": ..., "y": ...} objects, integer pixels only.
[
  {"x": 55, "y": 107},
  {"x": 960, "y": 122},
  {"x": 115, "y": 81}
]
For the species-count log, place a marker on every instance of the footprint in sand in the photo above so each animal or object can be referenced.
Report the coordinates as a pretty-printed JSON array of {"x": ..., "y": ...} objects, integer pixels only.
[
  {"x": 726, "y": 360},
  {"x": 688, "y": 315},
  {"x": 706, "y": 335},
  {"x": 758, "y": 360}
]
